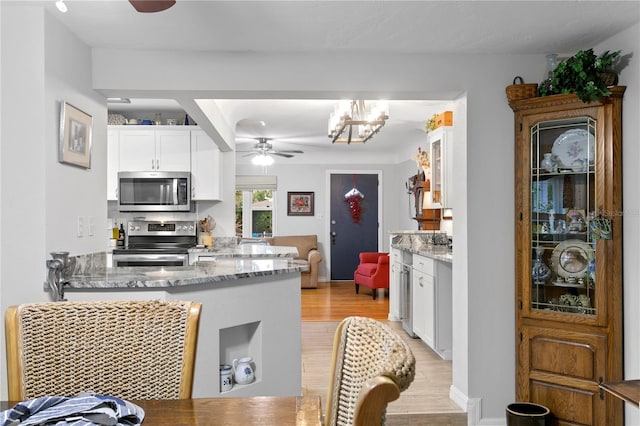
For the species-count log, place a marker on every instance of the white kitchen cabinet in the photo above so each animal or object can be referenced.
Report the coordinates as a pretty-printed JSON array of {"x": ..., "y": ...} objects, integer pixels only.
[
  {"x": 423, "y": 305},
  {"x": 440, "y": 141},
  {"x": 148, "y": 149},
  {"x": 113, "y": 163},
  {"x": 432, "y": 303},
  {"x": 206, "y": 168}
]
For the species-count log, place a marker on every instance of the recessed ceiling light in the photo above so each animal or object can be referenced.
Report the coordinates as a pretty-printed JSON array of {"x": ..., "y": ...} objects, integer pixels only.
[{"x": 61, "y": 6}]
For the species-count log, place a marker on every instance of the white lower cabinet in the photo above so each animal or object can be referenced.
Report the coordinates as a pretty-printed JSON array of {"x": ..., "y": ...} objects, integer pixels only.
[
  {"x": 423, "y": 305},
  {"x": 432, "y": 304}
]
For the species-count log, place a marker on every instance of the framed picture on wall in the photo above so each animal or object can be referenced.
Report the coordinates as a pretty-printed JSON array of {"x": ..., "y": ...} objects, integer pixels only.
[
  {"x": 299, "y": 203},
  {"x": 75, "y": 136}
]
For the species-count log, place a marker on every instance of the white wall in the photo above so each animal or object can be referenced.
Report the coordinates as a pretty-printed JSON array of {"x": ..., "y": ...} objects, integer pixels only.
[
  {"x": 42, "y": 64},
  {"x": 628, "y": 42}
]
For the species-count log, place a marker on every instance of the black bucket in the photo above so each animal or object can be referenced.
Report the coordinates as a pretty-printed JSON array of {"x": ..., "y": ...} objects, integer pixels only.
[{"x": 528, "y": 414}]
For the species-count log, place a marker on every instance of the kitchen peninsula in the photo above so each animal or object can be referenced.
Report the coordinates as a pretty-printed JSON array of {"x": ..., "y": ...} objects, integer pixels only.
[{"x": 251, "y": 307}]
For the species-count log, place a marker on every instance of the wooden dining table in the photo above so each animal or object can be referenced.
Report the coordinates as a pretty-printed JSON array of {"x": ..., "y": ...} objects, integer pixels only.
[{"x": 259, "y": 410}]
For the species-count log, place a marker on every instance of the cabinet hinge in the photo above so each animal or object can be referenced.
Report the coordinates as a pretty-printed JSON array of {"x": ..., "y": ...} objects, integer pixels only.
[
  {"x": 521, "y": 336},
  {"x": 601, "y": 391},
  {"x": 520, "y": 126},
  {"x": 520, "y": 216},
  {"x": 521, "y": 304}
]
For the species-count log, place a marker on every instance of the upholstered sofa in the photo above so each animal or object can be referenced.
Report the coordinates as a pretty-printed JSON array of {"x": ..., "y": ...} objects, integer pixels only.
[{"x": 308, "y": 254}]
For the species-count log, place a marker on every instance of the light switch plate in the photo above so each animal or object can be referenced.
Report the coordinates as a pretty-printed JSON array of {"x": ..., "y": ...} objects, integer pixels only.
[
  {"x": 80, "y": 227},
  {"x": 92, "y": 225}
]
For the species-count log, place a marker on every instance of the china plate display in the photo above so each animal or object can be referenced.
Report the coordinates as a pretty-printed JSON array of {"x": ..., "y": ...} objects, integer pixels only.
[
  {"x": 574, "y": 148},
  {"x": 570, "y": 259}
]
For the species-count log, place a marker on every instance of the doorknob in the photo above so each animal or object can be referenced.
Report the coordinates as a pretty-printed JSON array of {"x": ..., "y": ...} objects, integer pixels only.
[{"x": 333, "y": 238}]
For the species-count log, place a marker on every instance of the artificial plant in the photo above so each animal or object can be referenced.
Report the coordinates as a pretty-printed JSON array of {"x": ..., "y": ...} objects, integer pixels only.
[{"x": 582, "y": 74}]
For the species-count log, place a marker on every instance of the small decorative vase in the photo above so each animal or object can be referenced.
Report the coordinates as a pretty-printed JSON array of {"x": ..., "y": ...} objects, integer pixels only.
[
  {"x": 547, "y": 162},
  {"x": 545, "y": 87},
  {"x": 540, "y": 272}
]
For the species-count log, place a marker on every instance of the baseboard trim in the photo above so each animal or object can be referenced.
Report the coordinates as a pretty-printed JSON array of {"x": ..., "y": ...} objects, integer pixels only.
[{"x": 473, "y": 407}]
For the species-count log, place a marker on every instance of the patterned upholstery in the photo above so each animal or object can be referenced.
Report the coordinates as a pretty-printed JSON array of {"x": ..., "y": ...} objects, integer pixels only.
[
  {"x": 129, "y": 349},
  {"x": 366, "y": 354}
]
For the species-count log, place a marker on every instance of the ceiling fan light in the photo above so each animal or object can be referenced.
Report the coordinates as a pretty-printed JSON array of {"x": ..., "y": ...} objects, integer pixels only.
[{"x": 262, "y": 160}]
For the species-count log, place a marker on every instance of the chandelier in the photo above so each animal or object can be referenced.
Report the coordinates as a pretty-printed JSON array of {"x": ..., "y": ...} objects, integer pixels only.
[{"x": 351, "y": 121}]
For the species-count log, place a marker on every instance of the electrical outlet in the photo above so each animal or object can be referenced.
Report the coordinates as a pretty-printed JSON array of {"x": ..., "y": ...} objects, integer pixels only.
[{"x": 80, "y": 228}]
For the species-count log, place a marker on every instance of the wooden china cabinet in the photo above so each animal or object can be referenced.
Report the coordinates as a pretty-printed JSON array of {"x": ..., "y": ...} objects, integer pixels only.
[{"x": 568, "y": 246}]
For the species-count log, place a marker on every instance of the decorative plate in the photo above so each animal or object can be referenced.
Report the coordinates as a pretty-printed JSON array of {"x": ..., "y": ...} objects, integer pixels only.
[
  {"x": 574, "y": 148},
  {"x": 570, "y": 259}
]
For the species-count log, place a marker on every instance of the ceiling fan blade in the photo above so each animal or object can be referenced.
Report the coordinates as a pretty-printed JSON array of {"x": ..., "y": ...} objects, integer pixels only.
[
  {"x": 249, "y": 154},
  {"x": 292, "y": 151},
  {"x": 150, "y": 6},
  {"x": 280, "y": 154}
]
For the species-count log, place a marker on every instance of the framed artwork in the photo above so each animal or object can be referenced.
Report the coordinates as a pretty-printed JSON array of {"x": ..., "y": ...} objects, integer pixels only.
[
  {"x": 300, "y": 204},
  {"x": 75, "y": 136}
]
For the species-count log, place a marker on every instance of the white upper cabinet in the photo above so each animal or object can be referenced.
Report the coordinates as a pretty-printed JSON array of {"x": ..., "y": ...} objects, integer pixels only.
[
  {"x": 144, "y": 148},
  {"x": 155, "y": 150},
  {"x": 206, "y": 168}
]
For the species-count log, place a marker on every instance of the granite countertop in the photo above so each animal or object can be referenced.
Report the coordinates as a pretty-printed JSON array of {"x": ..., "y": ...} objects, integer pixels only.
[
  {"x": 434, "y": 253},
  {"x": 177, "y": 276},
  {"x": 421, "y": 242},
  {"x": 249, "y": 251}
]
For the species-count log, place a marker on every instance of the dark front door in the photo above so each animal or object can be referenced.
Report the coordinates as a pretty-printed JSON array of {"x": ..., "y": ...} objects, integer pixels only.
[{"x": 352, "y": 232}]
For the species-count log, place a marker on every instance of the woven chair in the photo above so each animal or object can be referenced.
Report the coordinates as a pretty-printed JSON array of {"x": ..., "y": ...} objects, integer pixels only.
[
  {"x": 370, "y": 366},
  {"x": 129, "y": 349}
]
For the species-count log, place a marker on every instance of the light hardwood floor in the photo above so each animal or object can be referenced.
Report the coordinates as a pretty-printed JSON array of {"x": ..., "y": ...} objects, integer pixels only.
[{"x": 425, "y": 402}]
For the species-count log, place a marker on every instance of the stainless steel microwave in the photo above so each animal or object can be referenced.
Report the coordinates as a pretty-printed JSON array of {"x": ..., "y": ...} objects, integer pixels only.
[{"x": 154, "y": 191}]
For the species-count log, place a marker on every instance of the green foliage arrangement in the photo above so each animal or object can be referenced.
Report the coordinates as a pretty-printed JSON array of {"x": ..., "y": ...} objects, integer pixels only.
[{"x": 582, "y": 74}]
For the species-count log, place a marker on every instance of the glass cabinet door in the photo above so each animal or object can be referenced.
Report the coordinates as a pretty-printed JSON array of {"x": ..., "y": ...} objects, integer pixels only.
[
  {"x": 563, "y": 199},
  {"x": 436, "y": 172}
]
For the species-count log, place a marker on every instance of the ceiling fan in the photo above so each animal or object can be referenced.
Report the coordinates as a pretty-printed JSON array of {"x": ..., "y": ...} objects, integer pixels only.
[
  {"x": 263, "y": 149},
  {"x": 150, "y": 6}
]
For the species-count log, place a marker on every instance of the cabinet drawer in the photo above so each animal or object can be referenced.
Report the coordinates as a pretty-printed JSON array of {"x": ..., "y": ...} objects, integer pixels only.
[
  {"x": 423, "y": 264},
  {"x": 396, "y": 255}
]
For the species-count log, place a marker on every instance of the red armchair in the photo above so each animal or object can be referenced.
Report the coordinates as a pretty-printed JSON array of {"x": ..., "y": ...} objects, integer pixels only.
[{"x": 373, "y": 272}]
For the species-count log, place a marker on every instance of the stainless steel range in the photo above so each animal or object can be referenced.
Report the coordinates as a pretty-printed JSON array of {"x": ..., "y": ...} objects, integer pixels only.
[{"x": 155, "y": 243}]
